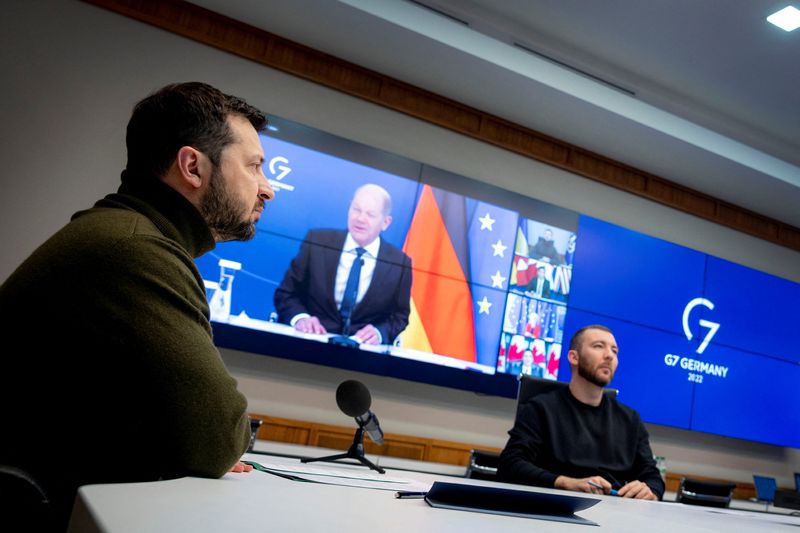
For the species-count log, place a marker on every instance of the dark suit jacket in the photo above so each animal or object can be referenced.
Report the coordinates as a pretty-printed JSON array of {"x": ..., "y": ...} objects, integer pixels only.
[
  {"x": 309, "y": 283},
  {"x": 545, "y": 287}
]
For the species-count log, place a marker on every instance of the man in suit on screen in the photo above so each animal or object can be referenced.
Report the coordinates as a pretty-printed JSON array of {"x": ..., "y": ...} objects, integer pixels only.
[
  {"x": 350, "y": 282},
  {"x": 539, "y": 286}
]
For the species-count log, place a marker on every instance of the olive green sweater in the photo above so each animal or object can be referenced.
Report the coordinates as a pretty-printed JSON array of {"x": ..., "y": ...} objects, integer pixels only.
[{"x": 114, "y": 376}]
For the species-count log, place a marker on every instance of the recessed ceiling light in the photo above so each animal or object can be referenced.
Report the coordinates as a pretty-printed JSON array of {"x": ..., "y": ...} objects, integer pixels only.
[{"x": 787, "y": 18}]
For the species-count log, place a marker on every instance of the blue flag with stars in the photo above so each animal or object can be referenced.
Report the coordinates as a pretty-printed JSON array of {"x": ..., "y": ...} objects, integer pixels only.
[{"x": 490, "y": 236}]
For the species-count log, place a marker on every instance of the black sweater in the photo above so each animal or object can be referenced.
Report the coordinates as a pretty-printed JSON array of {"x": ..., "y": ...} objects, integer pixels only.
[{"x": 555, "y": 434}]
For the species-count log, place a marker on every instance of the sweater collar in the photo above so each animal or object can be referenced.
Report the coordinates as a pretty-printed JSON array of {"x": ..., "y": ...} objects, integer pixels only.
[{"x": 170, "y": 211}]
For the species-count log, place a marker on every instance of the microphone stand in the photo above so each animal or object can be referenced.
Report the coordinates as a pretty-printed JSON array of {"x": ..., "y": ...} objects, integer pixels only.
[{"x": 356, "y": 452}]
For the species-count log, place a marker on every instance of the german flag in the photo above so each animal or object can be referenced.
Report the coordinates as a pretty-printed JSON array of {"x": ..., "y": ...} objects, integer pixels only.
[{"x": 441, "y": 319}]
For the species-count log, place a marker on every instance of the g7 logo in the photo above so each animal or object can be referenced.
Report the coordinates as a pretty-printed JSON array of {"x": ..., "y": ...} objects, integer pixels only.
[
  {"x": 279, "y": 167},
  {"x": 278, "y": 163},
  {"x": 712, "y": 326}
]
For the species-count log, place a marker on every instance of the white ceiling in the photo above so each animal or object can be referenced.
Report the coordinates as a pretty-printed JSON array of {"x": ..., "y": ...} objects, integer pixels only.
[{"x": 704, "y": 93}]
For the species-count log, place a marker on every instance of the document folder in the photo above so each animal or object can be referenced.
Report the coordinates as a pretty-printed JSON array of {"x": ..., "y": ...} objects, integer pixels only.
[{"x": 522, "y": 503}]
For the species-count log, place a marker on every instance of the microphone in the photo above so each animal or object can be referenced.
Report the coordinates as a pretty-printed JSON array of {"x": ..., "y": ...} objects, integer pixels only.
[{"x": 354, "y": 400}]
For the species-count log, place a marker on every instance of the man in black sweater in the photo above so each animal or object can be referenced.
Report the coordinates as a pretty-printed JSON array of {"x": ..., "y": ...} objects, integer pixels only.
[{"x": 579, "y": 439}]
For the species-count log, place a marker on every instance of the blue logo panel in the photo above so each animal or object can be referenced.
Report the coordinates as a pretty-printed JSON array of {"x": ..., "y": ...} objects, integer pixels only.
[
  {"x": 623, "y": 274},
  {"x": 748, "y": 396},
  {"x": 757, "y": 312}
]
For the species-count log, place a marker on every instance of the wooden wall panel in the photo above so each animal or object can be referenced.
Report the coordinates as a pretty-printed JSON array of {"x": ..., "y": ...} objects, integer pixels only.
[
  {"x": 675, "y": 196},
  {"x": 430, "y": 107},
  {"x": 522, "y": 141},
  {"x": 593, "y": 166},
  {"x": 341, "y": 438},
  {"x": 453, "y": 453},
  {"x": 789, "y": 235},
  {"x": 262, "y": 47},
  {"x": 745, "y": 219},
  {"x": 283, "y": 430}
]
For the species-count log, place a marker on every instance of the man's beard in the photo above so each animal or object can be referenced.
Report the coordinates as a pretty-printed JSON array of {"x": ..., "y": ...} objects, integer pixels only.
[
  {"x": 585, "y": 371},
  {"x": 221, "y": 213}
]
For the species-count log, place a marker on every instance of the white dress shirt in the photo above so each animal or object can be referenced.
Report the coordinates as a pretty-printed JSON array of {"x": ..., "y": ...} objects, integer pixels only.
[{"x": 346, "y": 260}]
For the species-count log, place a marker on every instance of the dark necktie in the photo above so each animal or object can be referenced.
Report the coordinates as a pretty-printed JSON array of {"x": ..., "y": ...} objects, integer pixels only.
[{"x": 351, "y": 290}]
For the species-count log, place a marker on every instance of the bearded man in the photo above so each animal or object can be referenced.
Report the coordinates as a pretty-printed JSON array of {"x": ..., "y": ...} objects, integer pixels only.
[
  {"x": 115, "y": 370},
  {"x": 577, "y": 438}
]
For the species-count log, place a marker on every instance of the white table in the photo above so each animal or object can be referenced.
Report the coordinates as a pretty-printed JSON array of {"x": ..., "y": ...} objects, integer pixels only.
[{"x": 262, "y": 502}]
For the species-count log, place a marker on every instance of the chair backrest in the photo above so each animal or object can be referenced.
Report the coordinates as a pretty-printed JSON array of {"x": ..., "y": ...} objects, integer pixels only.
[
  {"x": 482, "y": 464},
  {"x": 255, "y": 423},
  {"x": 765, "y": 488},
  {"x": 530, "y": 386},
  {"x": 706, "y": 493},
  {"x": 787, "y": 498},
  {"x": 24, "y": 501}
]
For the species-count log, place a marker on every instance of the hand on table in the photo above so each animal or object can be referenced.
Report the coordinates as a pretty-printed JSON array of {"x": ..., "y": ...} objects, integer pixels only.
[
  {"x": 637, "y": 490},
  {"x": 241, "y": 468},
  {"x": 369, "y": 334},
  {"x": 592, "y": 485},
  {"x": 310, "y": 324}
]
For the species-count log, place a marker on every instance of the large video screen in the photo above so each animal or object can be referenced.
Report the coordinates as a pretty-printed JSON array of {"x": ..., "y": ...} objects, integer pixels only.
[{"x": 372, "y": 262}]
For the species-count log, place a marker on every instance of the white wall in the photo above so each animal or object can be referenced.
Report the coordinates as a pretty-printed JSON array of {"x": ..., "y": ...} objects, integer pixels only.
[{"x": 71, "y": 74}]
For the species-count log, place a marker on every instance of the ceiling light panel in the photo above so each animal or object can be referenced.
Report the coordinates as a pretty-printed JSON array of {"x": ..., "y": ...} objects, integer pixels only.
[{"x": 787, "y": 18}]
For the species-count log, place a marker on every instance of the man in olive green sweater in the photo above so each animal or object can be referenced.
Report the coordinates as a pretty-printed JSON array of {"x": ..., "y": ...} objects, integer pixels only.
[{"x": 115, "y": 377}]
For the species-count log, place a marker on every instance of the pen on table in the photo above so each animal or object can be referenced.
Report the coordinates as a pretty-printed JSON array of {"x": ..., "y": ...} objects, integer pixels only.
[
  {"x": 599, "y": 486},
  {"x": 408, "y": 494}
]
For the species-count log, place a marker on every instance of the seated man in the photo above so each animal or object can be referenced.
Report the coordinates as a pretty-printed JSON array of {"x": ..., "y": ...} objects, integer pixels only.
[
  {"x": 577, "y": 438},
  {"x": 539, "y": 287},
  {"x": 545, "y": 249},
  {"x": 115, "y": 377},
  {"x": 350, "y": 282}
]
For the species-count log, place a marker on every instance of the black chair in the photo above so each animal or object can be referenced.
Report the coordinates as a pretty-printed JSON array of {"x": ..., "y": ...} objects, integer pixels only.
[
  {"x": 255, "y": 423},
  {"x": 24, "y": 501},
  {"x": 530, "y": 386},
  {"x": 790, "y": 499},
  {"x": 696, "y": 492},
  {"x": 482, "y": 464}
]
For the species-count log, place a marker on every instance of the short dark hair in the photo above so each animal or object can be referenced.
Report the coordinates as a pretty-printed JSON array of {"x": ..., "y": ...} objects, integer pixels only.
[
  {"x": 183, "y": 114},
  {"x": 575, "y": 341}
]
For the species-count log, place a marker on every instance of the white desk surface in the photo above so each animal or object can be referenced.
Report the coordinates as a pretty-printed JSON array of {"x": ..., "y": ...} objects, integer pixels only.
[{"x": 263, "y": 502}]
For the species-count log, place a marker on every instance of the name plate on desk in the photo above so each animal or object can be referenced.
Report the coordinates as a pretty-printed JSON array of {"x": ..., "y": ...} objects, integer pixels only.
[{"x": 511, "y": 502}]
